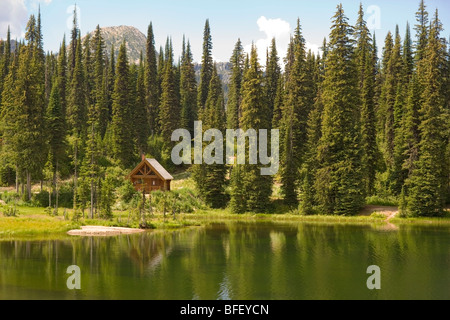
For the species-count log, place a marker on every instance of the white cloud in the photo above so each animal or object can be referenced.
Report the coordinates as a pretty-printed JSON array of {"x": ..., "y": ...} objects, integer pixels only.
[
  {"x": 273, "y": 28},
  {"x": 13, "y": 13},
  {"x": 316, "y": 49}
]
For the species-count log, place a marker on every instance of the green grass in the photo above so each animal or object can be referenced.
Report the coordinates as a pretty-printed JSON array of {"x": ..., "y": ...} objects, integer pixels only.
[{"x": 35, "y": 222}]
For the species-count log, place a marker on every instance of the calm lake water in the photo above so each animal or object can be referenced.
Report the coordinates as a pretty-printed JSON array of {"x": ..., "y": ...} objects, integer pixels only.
[{"x": 239, "y": 261}]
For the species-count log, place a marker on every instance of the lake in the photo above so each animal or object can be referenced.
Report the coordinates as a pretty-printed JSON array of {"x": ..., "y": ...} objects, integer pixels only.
[{"x": 239, "y": 261}]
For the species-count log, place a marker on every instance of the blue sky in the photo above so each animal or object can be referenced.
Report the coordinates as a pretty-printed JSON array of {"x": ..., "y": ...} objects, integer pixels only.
[{"x": 251, "y": 20}]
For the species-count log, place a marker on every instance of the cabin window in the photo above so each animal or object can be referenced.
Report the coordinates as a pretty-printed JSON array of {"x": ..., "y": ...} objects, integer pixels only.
[{"x": 154, "y": 182}]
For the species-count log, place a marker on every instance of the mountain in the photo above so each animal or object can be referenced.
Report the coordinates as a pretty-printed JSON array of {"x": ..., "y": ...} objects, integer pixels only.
[
  {"x": 136, "y": 41},
  {"x": 13, "y": 44}
]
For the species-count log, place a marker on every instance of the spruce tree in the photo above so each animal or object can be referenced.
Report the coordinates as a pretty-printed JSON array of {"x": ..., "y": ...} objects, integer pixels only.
[
  {"x": 100, "y": 94},
  {"x": 151, "y": 82},
  {"x": 141, "y": 121},
  {"x": 210, "y": 178},
  {"x": 62, "y": 77},
  {"x": 310, "y": 165},
  {"x": 255, "y": 115},
  {"x": 73, "y": 44},
  {"x": 188, "y": 91},
  {"x": 76, "y": 113},
  {"x": 391, "y": 106},
  {"x": 5, "y": 61},
  {"x": 207, "y": 68},
  {"x": 426, "y": 188},
  {"x": 169, "y": 113},
  {"x": 234, "y": 93},
  {"x": 77, "y": 101},
  {"x": 56, "y": 135},
  {"x": 338, "y": 184},
  {"x": 273, "y": 73},
  {"x": 297, "y": 106},
  {"x": 123, "y": 143},
  {"x": 422, "y": 30},
  {"x": 110, "y": 81},
  {"x": 368, "y": 124},
  {"x": 278, "y": 107}
]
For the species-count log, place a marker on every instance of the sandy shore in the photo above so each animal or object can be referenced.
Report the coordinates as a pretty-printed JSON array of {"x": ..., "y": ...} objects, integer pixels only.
[{"x": 103, "y": 231}]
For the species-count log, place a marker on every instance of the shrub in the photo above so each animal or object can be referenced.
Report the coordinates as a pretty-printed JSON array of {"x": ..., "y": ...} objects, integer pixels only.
[
  {"x": 126, "y": 192},
  {"x": 10, "y": 211},
  {"x": 10, "y": 197},
  {"x": 389, "y": 201}
]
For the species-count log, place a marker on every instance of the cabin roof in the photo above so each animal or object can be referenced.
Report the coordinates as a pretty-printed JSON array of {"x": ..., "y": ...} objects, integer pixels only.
[
  {"x": 156, "y": 166},
  {"x": 160, "y": 169}
]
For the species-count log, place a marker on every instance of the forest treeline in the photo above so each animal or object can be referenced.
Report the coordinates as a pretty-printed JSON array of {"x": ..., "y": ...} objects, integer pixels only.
[{"x": 351, "y": 125}]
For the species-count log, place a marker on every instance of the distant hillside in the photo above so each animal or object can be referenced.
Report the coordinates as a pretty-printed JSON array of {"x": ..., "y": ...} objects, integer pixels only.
[
  {"x": 136, "y": 41},
  {"x": 13, "y": 44}
]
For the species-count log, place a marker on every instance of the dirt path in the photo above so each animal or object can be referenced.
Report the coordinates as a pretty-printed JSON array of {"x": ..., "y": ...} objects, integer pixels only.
[
  {"x": 389, "y": 212},
  {"x": 103, "y": 231}
]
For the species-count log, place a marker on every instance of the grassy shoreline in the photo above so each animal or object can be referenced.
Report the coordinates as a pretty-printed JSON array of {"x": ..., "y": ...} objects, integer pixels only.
[{"x": 35, "y": 222}]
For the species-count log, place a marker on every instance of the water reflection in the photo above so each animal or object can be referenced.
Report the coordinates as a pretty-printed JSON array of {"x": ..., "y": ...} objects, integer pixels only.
[{"x": 234, "y": 261}]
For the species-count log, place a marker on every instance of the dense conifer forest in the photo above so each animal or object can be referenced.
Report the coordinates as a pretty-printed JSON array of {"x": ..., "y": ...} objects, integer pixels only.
[{"x": 352, "y": 125}]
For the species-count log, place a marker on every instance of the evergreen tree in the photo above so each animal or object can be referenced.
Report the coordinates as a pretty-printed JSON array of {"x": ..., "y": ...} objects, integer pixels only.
[
  {"x": 123, "y": 143},
  {"x": 151, "y": 82},
  {"x": 188, "y": 90},
  {"x": 408, "y": 58},
  {"x": 273, "y": 73},
  {"x": 77, "y": 101},
  {"x": 426, "y": 187},
  {"x": 76, "y": 112},
  {"x": 278, "y": 104},
  {"x": 62, "y": 77},
  {"x": 169, "y": 115},
  {"x": 210, "y": 178},
  {"x": 100, "y": 94},
  {"x": 234, "y": 93},
  {"x": 299, "y": 96},
  {"x": 73, "y": 44},
  {"x": 422, "y": 30},
  {"x": 5, "y": 61},
  {"x": 310, "y": 166},
  {"x": 207, "y": 68},
  {"x": 255, "y": 115},
  {"x": 56, "y": 135},
  {"x": 111, "y": 80},
  {"x": 391, "y": 108},
  {"x": 238, "y": 201},
  {"x": 88, "y": 65},
  {"x": 366, "y": 64},
  {"x": 411, "y": 124},
  {"x": 339, "y": 176},
  {"x": 141, "y": 122}
]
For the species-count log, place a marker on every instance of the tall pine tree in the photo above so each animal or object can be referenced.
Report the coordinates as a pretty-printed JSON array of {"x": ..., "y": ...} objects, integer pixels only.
[{"x": 338, "y": 184}]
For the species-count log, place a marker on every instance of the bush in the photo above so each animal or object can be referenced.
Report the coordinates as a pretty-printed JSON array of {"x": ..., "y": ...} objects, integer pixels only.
[
  {"x": 10, "y": 197},
  {"x": 180, "y": 201},
  {"x": 126, "y": 192},
  {"x": 40, "y": 199},
  {"x": 65, "y": 197},
  {"x": 7, "y": 175},
  {"x": 10, "y": 211},
  {"x": 389, "y": 201}
]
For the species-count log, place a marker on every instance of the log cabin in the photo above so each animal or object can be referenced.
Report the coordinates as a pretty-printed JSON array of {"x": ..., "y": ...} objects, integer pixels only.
[{"x": 151, "y": 176}]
